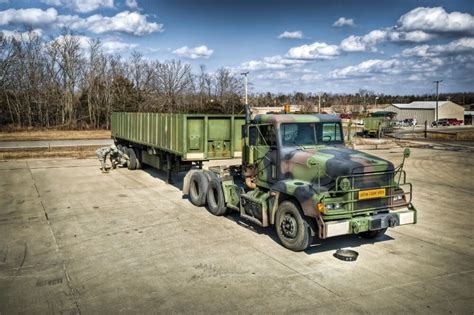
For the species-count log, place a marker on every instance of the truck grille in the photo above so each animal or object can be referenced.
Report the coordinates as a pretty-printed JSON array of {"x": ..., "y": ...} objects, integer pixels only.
[{"x": 365, "y": 181}]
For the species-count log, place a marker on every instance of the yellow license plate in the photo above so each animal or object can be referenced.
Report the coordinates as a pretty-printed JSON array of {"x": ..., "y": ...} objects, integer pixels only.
[{"x": 371, "y": 193}]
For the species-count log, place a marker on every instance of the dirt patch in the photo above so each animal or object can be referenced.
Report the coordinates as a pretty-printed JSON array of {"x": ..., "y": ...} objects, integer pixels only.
[
  {"x": 74, "y": 152},
  {"x": 54, "y": 135}
]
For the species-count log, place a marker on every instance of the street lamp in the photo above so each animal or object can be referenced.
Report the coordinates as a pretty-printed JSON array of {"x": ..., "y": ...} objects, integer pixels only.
[
  {"x": 376, "y": 98},
  {"x": 245, "y": 75}
]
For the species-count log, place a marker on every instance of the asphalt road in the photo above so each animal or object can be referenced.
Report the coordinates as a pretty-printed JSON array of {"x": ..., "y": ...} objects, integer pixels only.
[
  {"x": 21, "y": 145},
  {"x": 421, "y": 129},
  {"x": 73, "y": 240}
]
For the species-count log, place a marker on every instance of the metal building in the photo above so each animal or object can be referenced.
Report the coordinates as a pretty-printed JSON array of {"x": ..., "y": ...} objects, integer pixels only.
[{"x": 425, "y": 111}]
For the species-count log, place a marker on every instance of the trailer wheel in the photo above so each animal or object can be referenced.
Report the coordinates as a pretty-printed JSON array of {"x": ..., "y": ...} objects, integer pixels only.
[
  {"x": 293, "y": 228},
  {"x": 215, "y": 198},
  {"x": 198, "y": 186},
  {"x": 132, "y": 162},
  {"x": 373, "y": 234},
  {"x": 138, "y": 158}
]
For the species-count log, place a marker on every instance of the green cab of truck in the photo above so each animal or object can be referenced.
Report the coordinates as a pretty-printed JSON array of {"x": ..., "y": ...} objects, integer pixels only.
[{"x": 297, "y": 175}]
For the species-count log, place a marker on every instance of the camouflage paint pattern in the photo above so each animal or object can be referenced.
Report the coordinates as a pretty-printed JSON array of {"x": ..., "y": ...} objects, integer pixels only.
[{"x": 308, "y": 173}]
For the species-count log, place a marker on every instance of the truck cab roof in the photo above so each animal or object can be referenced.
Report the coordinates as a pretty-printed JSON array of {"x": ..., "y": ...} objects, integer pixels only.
[{"x": 292, "y": 118}]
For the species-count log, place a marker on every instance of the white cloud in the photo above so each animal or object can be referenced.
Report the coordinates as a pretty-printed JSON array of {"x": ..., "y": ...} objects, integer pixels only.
[
  {"x": 32, "y": 17},
  {"x": 436, "y": 20},
  {"x": 273, "y": 75},
  {"x": 342, "y": 21},
  {"x": 291, "y": 35},
  {"x": 132, "y": 4},
  {"x": 113, "y": 47},
  {"x": 459, "y": 46},
  {"x": 194, "y": 53},
  {"x": 82, "y": 6},
  {"x": 367, "y": 68},
  {"x": 314, "y": 51},
  {"x": 368, "y": 41},
  {"x": 123, "y": 22},
  {"x": 270, "y": 63},
  {"x": 22, "y": 36},
  {"x": 109, "y": 46}
]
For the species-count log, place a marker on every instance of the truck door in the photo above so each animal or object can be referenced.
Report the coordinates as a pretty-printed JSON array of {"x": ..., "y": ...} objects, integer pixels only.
[{"x": 264, "y": 145}]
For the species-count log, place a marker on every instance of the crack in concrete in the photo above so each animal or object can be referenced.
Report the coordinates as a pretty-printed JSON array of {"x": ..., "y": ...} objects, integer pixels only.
[{"x": 71, "y": 288}]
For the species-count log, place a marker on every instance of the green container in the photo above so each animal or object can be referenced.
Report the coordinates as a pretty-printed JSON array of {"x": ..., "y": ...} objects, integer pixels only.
[{"x": 193, "y": 137}]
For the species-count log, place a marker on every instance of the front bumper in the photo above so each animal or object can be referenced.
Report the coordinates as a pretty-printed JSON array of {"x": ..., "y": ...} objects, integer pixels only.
[{"x": 401, "y": 216}]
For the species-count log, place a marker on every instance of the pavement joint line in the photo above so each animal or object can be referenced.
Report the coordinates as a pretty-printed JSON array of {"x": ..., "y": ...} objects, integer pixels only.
[
  {"x": 68, "y": 279},
  {"x": 431, "y": 243},
  {"x": 297, "y": 272}
]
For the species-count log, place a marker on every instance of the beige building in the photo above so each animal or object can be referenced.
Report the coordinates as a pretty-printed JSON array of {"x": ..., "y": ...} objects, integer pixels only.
[{"x": 425, "y": 111}]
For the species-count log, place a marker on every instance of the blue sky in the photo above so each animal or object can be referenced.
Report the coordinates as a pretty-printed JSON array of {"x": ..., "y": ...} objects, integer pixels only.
[{"x": 392, "y": 47}]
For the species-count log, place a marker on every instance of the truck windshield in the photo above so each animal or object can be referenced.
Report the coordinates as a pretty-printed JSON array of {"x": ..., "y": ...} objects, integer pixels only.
[{"x": 304, "y": 134}]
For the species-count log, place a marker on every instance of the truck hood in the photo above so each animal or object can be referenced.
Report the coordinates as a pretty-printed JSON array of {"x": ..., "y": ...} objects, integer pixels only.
[{"x": 325, "y": 164}]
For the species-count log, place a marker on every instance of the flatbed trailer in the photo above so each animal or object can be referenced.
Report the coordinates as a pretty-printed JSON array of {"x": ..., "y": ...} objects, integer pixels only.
[{"x": 175, "y": 142}]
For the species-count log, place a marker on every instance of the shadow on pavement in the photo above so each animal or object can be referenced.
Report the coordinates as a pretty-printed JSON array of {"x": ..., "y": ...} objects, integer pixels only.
[{"x": 318, "y": 246}]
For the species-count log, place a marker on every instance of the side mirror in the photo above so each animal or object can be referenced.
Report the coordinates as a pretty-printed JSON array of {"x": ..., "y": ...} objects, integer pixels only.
[{"x": 406, "y": 153}]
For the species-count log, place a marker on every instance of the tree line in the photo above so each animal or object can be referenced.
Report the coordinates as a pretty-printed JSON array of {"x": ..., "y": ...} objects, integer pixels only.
[{"x": 62, "y": 84}]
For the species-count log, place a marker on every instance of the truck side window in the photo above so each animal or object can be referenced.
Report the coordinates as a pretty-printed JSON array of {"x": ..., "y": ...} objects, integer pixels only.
[
  {"x": 331, "y": 132},
  {"x": 253, "y": 135},
  {"x": 267, "y": 136}
]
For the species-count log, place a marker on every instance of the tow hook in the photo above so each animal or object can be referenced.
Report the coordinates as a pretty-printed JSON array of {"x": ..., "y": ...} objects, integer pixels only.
[
  {"x": 355, "y": 227},
  {"x": 392, "y": 222}
]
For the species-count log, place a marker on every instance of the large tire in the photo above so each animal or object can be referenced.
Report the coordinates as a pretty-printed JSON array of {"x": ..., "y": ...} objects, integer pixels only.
[
  {"x": 138, "y": 158},
  {"x": 215, "y": 198},
  {"x": 373, "y": 234},
  {"x": 198, "y": 186},
  {"x": 132, "y": 162},
  {"x": 293, "y": 229}
]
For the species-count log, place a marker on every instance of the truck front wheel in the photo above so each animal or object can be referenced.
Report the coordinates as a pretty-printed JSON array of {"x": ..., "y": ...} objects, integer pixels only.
[
  {"x": 292, "y": 227},
  {"x": 215, "y": 198}
]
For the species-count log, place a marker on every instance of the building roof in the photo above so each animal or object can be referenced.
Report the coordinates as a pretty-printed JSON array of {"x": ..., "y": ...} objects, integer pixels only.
[{"x": 420, "y": 105}]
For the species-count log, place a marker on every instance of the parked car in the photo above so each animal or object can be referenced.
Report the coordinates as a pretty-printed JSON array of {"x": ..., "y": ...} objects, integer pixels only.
[
  {"x": 405, "y": 123},
  {"x": 455, "y": 122},
  {"x": 440, "y": 122}
]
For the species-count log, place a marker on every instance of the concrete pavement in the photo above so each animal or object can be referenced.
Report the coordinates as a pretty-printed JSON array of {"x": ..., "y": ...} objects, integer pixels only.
[
  {"x": 41, "y": 144},
  {"x": 74, "y": 240}
]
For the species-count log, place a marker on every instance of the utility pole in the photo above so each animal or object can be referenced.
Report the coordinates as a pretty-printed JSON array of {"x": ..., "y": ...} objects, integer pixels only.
[
  {"x": 437, "y": 82},
  {"x": 376, "y": 98},
  {"x": 319, "y": 102},
  {"x": 245, "y": 75}
]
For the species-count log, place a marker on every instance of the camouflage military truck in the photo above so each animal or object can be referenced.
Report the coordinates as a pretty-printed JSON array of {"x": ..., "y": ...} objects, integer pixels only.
[{"x": 297, "y": 175}]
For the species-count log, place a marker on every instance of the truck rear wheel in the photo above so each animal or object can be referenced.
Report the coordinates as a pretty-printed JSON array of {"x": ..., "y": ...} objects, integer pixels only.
[
  {"x": 198, "y": 186},
  {"x": 138, "y": 158},
  {"x": 215, "y": 198},
  {"x": 132, "y": 162},
  {"x": 373, "y": 234},
  {"x": 292, "y": 227}
]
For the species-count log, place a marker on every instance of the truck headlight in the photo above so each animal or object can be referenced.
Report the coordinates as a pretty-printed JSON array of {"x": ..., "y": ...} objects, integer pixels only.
[{"x": 397, "y": 197}]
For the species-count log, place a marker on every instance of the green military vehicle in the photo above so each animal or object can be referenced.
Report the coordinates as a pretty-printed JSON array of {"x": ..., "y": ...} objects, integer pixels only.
[
  {"x": 378, "y": 124},
  {"x": 297, "y": 175}
]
